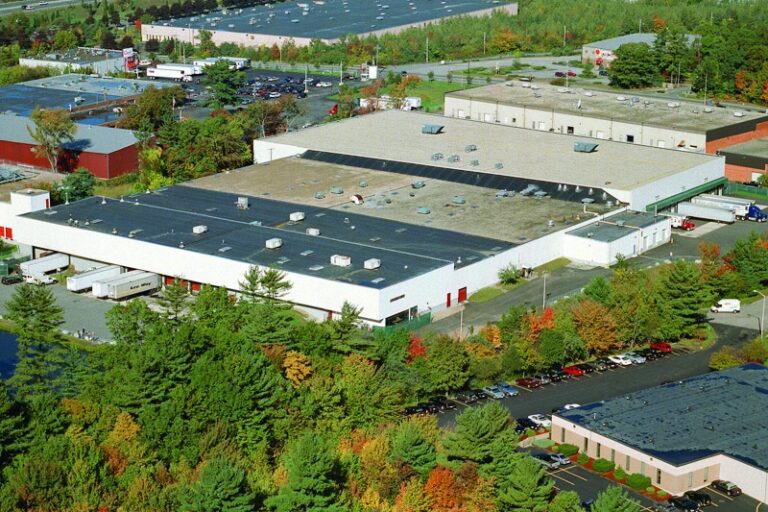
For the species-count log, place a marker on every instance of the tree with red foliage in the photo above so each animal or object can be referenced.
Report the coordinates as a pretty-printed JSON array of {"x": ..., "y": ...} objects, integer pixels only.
[
  {"x": 442, "y": 487},
  {"x": 416, "y": 349}
]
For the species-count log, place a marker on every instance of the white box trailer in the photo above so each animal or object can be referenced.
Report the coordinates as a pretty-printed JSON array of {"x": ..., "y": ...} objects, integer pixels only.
[
  {"x": 145, "y": 282},
  {"x": 173, "y": 74},
  {"x": 100, "y": 287},
  {"x": 706, "y": 212},
  {"x": 235, "y": 63},
  {"x": 189, "y": 69},
  {"x": 728, "y": 199},
  {"x": 84, "y": 280},
  {"x": 739, "y": 209},
  {"x": 44, "y": 265}
]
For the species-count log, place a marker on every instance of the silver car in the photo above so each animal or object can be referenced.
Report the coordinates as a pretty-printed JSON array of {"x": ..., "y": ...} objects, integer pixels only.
[
  {"x": 545, "y": 460},
  {"x": 635, "y": 358},
  {"x": 561, "y": 459}
]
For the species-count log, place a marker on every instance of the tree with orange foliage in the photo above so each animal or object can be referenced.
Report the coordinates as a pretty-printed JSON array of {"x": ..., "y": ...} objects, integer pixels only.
[
  {"x": 443, "y": 489},
  {"x": 595, "y": 325},
  {"x": 399, "y": 90},
  {"x": 492, "y": 333},
  {"x": 740, "y": 81},
  {"x": 297, "y": 367},
  {"x": 416, "y": 349},
  {"x": 412, "y": 498}
]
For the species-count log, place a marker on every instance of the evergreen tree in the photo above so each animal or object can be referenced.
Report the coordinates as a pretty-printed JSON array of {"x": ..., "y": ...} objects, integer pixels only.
[
  {"x": 599, "y": 290},
  {"x": 566, "y": 501},
  {"x": 750, "y": 257},
  {"x": 221, "y": 488},
  {"x": 12, "y": 425},
  {"x": 173, "y": 299},
  {"x": 525, "y": 489},
  {"x": 476, "y": 428},
  {"x": 615, "y": 499},
  {"x": 130, "y": 322},
  {"x": 312, "y": 474},
  {"x": 410, "y": 446},
  {"x": 274, "y": 284},
  {"x": 684, "y": 299}
]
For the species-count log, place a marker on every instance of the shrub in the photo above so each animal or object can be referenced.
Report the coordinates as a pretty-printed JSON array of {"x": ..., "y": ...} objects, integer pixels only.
[
  {"x": 619, "y": 474},
  {"x": 603, "y": 465},
  {"x": 638, "y": 481},
  {"x": 650, "y": 490},
  {"x": 529, "y": 432},
  {"x": 569, "y": 449},
  {"x": 543, "y": 443},
  {"x": 583, "y": 458},
  {"x": 661, "y": 493},
  {"x": 509, "y": 275},
  {"x": 555, "y": 448}
]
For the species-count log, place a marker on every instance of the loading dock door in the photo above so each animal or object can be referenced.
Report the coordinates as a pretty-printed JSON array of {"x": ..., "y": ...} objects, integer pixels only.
[
  {"x": 462, "y": 294},
  {"x": 448, "y": 300}
]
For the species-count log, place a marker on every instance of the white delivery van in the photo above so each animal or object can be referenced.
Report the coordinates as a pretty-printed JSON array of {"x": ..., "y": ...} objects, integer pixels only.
[{"x": 727, "y": 306}]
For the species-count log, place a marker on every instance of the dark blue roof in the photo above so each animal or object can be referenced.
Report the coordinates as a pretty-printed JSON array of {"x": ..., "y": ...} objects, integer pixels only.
[{"x": 681, "y": 422}]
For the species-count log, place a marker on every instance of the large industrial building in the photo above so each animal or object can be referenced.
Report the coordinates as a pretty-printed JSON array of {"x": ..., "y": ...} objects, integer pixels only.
[
  {"x": 650, "y": 121},
  {"x": 325, "y": 20},
  {"x": 106, "y": 152},
  {"x": 682, "y": 435},
  {"x": 398, "y": 213}
]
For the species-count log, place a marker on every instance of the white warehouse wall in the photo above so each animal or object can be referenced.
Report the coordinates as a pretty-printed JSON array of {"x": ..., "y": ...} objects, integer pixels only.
[
  {"x": 647, "y": 194},
  {"x": 753, "y": 481},
  {"x": 265, "y": 151}
]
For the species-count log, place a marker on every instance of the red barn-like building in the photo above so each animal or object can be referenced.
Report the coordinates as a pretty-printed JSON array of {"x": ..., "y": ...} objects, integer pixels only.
[{"x": 106, "y": 152}]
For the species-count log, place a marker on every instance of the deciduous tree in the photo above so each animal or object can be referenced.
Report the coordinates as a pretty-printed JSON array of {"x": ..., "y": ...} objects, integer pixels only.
[
  {"x": 51, "y": 129},
  {"x": 595, "y": 325}
]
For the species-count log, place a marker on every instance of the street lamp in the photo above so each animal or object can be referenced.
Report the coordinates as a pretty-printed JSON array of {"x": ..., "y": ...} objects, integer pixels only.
[{"x": 762, "y": 313}]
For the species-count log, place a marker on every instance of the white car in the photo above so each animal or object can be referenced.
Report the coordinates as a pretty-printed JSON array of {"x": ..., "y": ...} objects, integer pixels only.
[
  {"x": 621, "y": 360},
  {"x": 568, "y": 407},
  {"x": 323, "y": 84},
  {"x": 560, "y": 459},
  {"x": 540, "y": 420},
  {"x": 635, "y": 358}
]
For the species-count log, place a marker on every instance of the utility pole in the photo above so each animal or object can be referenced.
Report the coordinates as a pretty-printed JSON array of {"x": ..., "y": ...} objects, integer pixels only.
[
  {"x": 306, "y": 72},
  {"x": 639, "y": 26},
  {"x": 544, "y": 294},
  {"x": 341, "y": 73},
  {"x": 376, "y": 60},
  {"x": 483, "y": 43},
  {"x": 565, "y": 31},
  {"x": 426, "y": 53}
]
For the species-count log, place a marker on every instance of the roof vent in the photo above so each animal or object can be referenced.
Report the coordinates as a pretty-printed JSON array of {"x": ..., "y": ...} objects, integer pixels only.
[
  {"x": 584, "y": 147},
  {"x": 274, "y": 243},
  {"x": 498, "y": 165},
  {"x": 199, "y": 230},
  {"x": 319, "y": 195},
  {"x": 453, "y": 158},
  {"x": 340, "y": 260},
  {"x": 242, "y": 203},
  {"x": 418, "y": 184},
  {"x": 372, "y": 264},
  {"x": 296, "y": 216},
  {"x": 738, "y": 113},
  {"x": 708, "y": 110},
  {"x": 432, "y": 129},
  {"x": 335, "y": 190},
  {"x": 356, "y": 199},
  {"x": 673, "y": 104},
  {"x": 423, "y": 210},
  {"x": 621, "y": 98},
  {"x": 313, "y": 232},
  {"x": 458, "y": 199},
  {"x": 363, "y": 184},
  {"x": 620, "y": 223},
  {"x": 437, "y": 156},
  {"x": 470, "y": 148}
]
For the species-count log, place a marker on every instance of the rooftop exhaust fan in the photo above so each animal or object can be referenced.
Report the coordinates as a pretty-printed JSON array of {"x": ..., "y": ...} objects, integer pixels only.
[{"x": 584, "y": 147}]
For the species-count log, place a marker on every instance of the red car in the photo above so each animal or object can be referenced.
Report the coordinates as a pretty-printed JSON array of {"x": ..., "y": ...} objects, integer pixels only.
[
  {"x": 571, "y": 73},
  {"x": 529, "y": 382},
  {"x": 660, "y": 346},
  {"x": 573, "y": 371}
]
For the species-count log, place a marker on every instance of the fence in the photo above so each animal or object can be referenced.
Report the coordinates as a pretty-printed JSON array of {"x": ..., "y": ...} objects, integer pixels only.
[
  {"x": 739, "y": 188},
  {"x": 409, "y": 325}
]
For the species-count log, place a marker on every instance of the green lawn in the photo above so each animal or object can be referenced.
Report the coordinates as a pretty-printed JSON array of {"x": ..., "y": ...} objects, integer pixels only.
[
  {"x": 553, "y": 265},
  {"x": 432, "y": 94},
  {"x": 485, "y": 294}
]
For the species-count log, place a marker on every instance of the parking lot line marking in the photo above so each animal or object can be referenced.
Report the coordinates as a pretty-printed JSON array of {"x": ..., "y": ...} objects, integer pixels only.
[
  {"x": 524, "y": 388},
  {"x": 757, "y": 507},
  {"x": 566, "y": 470},
  {"x": 721, "y": 494},
  {"x": 563, "y": 479}
]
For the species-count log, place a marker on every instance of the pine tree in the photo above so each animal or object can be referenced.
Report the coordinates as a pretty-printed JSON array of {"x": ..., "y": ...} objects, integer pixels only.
[
  {"x": 476, "y": 429},
  {"x": 274, "y": 284},
  {"x": 615, "y": 499},
  {"x": 130, "y": 322},
  {"x": 412, "y": 498},
  {"x": 312, "y": 478},
  {"x": 410, "y": 446},
  {"x": 12, "y": 425},
  {"x": 684, "y": 299},
  {"x": 173, "y": 299},
  {"x": 525, "y": 489},
  {"x": 221, "y": 488}
]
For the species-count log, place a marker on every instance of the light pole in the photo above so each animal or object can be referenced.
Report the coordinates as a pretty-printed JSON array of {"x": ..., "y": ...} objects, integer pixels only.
[
  {"x": 306, "y": 72},
  {"x": 544, "y": 294},
  {"x": 762, "y": 313}
]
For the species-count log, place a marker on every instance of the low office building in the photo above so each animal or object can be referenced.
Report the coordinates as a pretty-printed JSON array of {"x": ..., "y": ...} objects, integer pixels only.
[
  {"x": 682, "y": 435},
  {"x": 748, "y": 161},
  {"x": 602, "y": 53},
  {"x": 95, "y": 60},
  {"x": 106, "y": 152},
  {"x": 649, "y": 121}
]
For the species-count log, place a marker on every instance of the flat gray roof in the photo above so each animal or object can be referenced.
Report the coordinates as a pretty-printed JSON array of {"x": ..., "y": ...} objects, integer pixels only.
[
  {"x": 640, "y": 37},
  {"x": 93, "y": 139},
  {"x": 685, "y": 421},
  {"x": 82, "y": 55},
  {"x": 395, "y": 135},
  {"x": 166, "y": 217},
  {"x": 608, "y": 230},
  {"x": 328, "y": 19},
  {"x": 756, "y": 147},
  {"x": 652, "y": 111}
]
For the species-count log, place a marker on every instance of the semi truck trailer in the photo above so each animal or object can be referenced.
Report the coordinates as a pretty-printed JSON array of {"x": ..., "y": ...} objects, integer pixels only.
[
  {"x": 173, "y": 74},
  {"x": 126, "y": 285},
  {"x": 743, "y": 209},
  {"x": 41, "y": 266},
  {"x": 84, "y": 280},
  {"x": 706, "y": 212},
  {"x": 189, "y": 69}
]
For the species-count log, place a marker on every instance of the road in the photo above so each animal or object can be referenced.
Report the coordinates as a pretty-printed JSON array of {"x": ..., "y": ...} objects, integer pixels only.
[{"x": 12, "y": 7}]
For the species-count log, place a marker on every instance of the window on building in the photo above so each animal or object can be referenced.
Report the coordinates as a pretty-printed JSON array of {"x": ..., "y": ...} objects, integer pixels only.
[
  {"x": 690, "y": 479},
  {"x": 586, "y": 445},
  {"x": 631, "y": 138},
  {"x": 598, "y": 450},
  {"x": 706, "y": 474},
  {"x": 626, "y": 463},
  {"x": 562, "y": 435},
  {"x": 613, "y": 455},
  {"x": 642, "y": 468},
  {"x": 658, "y": 476},
  {"x": 569, "y": 130}
]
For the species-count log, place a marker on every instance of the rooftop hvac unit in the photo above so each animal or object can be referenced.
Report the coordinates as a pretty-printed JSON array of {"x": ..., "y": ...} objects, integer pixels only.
[
  {"x": 372, "y": 264},
  {"x": 313, "y": 232},
  {"x": 274, "y": 243},
  {"x": 432, "y": 129},
  {"x": 459, "y": 199},
  {"x": 363, "y": 184},
  {"x": 242, "y": 203},
  {"x": 296, "y": 216},
  {"x": 319, "y": 195},
  {"x": 341, "y": 261},
  {"x": 423, "y": 210},
  {"x": 337, "y": 190},
  {"x": 453, "y": 158},
  {"x": 584, "y": 147},
  {"x": 470, "y": 148},
  {"x": 199, "y": 230},
  {"x": 356, "y": 199},
  {"x": 738, "y": 114},
  {"x": 474, "y": 163},
  {"x": 418, "y": 184}
]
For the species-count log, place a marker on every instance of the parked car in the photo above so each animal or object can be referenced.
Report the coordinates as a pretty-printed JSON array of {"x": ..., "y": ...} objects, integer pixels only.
[
  {"x": 543, "y": 378},
  {"x": 544, "y": 460},
  {"x": 556, "y": 375},
  {"x": 685, "y": 504},
  {"x": 587, "y": 505},
  {"x": 560, "y": 458},
  {"x": 700, "y": 497},
  {"x": 523, "y": 424},
  {"x": 586, "y": 367},
  {"x": 528, "y": 382},
  {"x": 607, "y": 362},
  {"x": 573, "y": 371},
  {"x": 603, "y": 72},
  {"x": 508, "y": 389},
  {"x": 649, "y": 354},
  {"x": 443, "y": 404},
  {"x": 600, "y": 365},
  {"x": 661, "y": 346},
  {"x": 494, "y": 392},
  {"x": 540, "y": 420},
  {"x": 466, "y": 397},
  {"x": 635, "y": 358},
  {"x": 559, "y": 74},
  {"x": 12, "y": 279},
  {"x": 571, "y": 73},
  {"x": 620, "y": 360},
  {"x": 663, "y": 507},
  {"x": 726, "y": 487}
]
